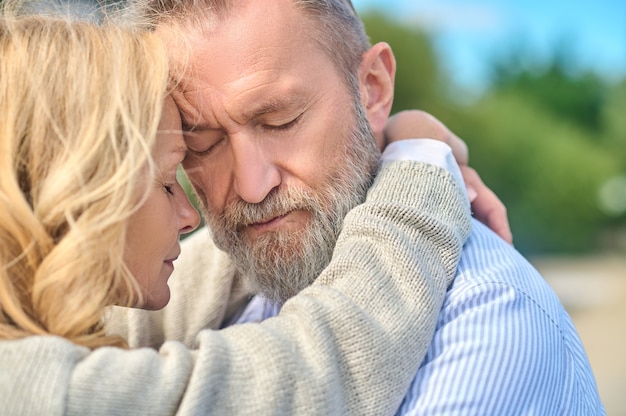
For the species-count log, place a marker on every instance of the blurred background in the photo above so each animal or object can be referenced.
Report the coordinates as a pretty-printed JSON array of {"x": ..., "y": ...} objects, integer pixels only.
[{"x": 537, "y": 89}]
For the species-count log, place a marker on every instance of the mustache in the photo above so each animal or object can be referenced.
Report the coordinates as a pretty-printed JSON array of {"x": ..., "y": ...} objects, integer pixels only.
[{"x": 280, "y": 201}]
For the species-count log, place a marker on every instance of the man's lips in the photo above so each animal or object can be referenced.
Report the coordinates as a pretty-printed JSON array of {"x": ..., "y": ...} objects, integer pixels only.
[{"x": 265, "y": 225}]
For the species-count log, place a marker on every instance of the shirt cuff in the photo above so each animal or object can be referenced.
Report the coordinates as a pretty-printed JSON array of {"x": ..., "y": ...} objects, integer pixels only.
[{"x": 430, "y": 151}]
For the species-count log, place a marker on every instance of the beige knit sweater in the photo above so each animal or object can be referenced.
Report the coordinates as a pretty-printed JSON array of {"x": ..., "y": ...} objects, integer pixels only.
[{"x": 349, "y": 344}]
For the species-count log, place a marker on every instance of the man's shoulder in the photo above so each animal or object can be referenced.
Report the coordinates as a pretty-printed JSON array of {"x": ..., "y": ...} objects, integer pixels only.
[
  {"x": 487, "y": 259},
  {"x": 498, "y": 297},
  {"x": 506, "y": 341},
  {"x": 491, "y": 268}
]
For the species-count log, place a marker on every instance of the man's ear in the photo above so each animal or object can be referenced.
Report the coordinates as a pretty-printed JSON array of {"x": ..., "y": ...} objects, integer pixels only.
[{"x": 376, "y": 78}]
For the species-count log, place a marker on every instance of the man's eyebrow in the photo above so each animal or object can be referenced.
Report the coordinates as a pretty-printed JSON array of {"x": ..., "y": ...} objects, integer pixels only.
[
  {"x": 274, "y": 105},
  {"x": 189, "y": 115},
  {"x": 189, "y": 126}
]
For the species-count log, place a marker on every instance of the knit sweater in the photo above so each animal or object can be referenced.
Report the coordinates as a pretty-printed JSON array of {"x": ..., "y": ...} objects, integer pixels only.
[{"x": 349, "y": 344}]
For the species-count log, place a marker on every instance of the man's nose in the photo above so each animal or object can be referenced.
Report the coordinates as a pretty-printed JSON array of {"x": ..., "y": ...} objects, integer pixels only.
[{"x": 255, "y": 172}]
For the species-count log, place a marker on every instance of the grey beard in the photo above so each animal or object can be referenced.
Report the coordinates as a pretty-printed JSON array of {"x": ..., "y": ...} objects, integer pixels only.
[{"x": 280, "y": 264}]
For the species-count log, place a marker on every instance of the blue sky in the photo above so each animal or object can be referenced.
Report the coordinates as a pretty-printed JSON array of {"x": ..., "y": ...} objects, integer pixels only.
[{"x": 469, "y": 32}]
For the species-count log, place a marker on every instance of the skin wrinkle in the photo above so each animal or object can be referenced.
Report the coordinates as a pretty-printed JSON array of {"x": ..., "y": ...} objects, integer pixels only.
[{"x": 305, "y": 177}]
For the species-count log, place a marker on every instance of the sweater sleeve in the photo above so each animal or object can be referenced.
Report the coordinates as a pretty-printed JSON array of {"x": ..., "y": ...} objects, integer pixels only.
[{"x": 349, "y": 344}]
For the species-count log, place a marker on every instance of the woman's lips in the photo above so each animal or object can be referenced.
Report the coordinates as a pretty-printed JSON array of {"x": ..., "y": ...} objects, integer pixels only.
[{"x": 171, "y": 260}]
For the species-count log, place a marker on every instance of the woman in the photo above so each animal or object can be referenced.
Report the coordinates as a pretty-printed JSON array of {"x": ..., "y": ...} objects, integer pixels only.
[{"x": 90, "y": 217}]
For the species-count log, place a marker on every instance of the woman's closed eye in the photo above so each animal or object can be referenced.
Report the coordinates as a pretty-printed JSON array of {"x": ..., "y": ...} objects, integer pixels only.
[{"x": 169, "y": 189}]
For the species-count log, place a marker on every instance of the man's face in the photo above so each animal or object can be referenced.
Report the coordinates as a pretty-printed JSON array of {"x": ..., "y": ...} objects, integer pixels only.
[{"x": 276, "y": 153}]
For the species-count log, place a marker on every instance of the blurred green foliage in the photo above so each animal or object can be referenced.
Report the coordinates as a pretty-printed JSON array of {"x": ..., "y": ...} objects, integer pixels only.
[{"x": 545, "y": 138}]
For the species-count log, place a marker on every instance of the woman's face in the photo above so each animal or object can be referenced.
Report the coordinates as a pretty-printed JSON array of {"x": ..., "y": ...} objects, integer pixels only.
[{"x": 154, "y": 230}]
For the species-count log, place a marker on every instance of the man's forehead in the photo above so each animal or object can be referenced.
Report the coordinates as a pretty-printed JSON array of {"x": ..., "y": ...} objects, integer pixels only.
[
  {"x": 190, "y": 114},
  {"x": 196, "y": 109},
  {"x": 250, "y": 63},
  {"x": 250, "y": 28}
]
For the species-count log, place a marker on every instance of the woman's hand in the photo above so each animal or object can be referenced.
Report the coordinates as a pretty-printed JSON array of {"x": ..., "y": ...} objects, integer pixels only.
[
  {"x": 416, "y": 124},
  {"x": 486, "y": 206}
]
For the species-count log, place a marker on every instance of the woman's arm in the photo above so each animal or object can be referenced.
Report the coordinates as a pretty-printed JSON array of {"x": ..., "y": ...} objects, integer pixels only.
[
  {"x": 349, "y": 344},
  {"x": 486, "y": 206}
]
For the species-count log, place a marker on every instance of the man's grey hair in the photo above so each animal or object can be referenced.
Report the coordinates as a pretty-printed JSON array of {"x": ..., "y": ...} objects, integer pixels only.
[{"x": 336, "y": 27}]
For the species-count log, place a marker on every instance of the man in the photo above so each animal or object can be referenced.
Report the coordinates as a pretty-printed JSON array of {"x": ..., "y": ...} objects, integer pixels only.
[{"x": 284, "y": 103}]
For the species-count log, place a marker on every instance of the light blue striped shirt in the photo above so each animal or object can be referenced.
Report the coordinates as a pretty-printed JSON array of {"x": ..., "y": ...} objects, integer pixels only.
[{"x": 504, "y": 344}]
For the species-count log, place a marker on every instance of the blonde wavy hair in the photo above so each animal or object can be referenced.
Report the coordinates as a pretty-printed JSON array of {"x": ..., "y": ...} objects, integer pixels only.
[{"x": 79, "y": 109}]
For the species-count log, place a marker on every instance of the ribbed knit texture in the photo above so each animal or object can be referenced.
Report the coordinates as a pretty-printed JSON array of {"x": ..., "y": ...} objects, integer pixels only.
[{"x": 349, "y": 344}]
